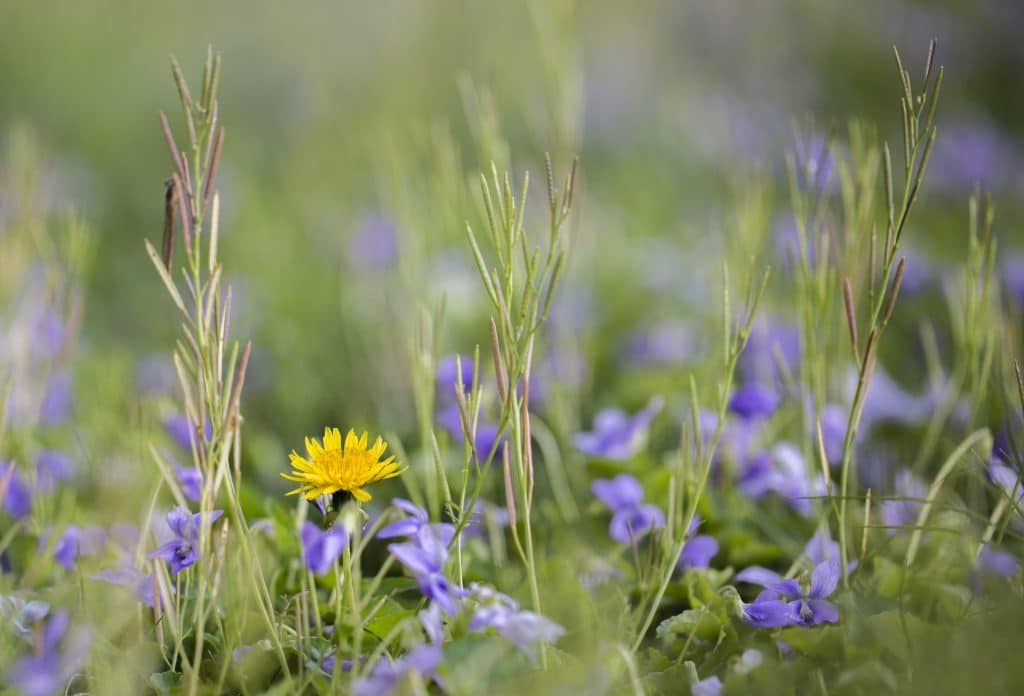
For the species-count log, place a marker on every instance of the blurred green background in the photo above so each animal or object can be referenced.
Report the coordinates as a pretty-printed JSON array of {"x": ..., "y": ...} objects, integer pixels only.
[{"x": 343, "y": 117}]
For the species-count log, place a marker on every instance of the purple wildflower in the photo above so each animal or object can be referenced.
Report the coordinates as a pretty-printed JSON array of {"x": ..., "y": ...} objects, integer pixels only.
[
  {"x": 22, "y": 615},
  {"x": 387, "y": 676},
  {"x": 181, "y": 551},
  {"x": 424, "y": 557},
  {"x": 833, "y": 431},
  {"x": 180, "y": 429},
  {"x": 753, "y": 402},
  {"x": 998, "y": 562},
  {"x": 712, "y": 686},
  {"x": 903, "y": 513},
  {"x": 190, "y": 479},
  {"x": 811, "y": 607},
  {"x": 17, "y": 498},
  {"x": 374, "y": 243},
  {"x": 52, "y": 466},
  {"x": 56, "y": 404},
  {"x": 624, "y": 496},
  {"x": 484, "y": 439},
  {"x": 47, "y": 670},
  {"x": 1013, "y": 277},
  {"x": 1007, "y": 479},
  {"x": 130, "y": 576},
  {"x": 417, "y": 519},
  {"x": 321, "y": 548},
  {"x": 524, "y": 629},
  {"x": 698, "y": 550},
  {"x": 616, "y": 435},
  {"x": 447, "y": 376},
  {"x": 769, "y": 341},
  {"x": 65, "y": 551},
  {"x": 784, "y": 472}
]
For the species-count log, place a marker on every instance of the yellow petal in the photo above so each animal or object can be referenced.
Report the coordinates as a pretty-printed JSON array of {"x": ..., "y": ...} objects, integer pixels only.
[
  {"x": 360, "y": 495},
  {"x": 332, "y": 439}
]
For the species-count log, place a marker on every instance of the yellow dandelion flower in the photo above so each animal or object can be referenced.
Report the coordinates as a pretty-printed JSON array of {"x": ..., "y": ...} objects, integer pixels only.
[{"x": 331, "y": 468}]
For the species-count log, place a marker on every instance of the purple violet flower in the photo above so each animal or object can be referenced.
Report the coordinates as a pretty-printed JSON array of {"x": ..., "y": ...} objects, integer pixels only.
[
  {"x": 424, "y": 557},
  {"x": 784, "y": 472},
  {"x": 130, "y": 576},
  {"x": 47, "y": 670},
  {"x": 190, "y": 479},
  {"x": 321, "y": 548},
  {"x": 484, "y": 438},
  {"x": 388, "y": 676},
  {"x": 17, "y": 498},
  {"x": 181, "y": 431},
  {"x": 524, "y": 629},
  {"x": 65, "y": 551},
  {"x": 616, "y": 435},
  {"x": 181, "y": 551},
  {"x": 52, "y": 466},
  {"x": 806, "y": 608},
  {"x": 996, "y": 562},
  {"x": 753, "y": 402},
  {"x": 56, "y": 404},
  {"x": 903, "y": 513},
  {"x": 698, "y": 550},
  {"x": 374, "y": 243},
  {"x": 631, "y": 519},
  {"x": 447, "y": 376},
  {"x": 712, "y": 686},
  {"x": 417, "y": 519}
]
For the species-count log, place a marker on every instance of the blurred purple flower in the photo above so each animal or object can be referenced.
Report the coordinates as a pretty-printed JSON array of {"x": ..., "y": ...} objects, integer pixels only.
[
  {"x": 886, "y": 401},
  {"x": 417, "y": 519},
  {"x": 833, "y": 431},
  {"x": 56, "y": 404},
  {"x": 712, "y": 686},
  {"x": 448, "y": 375},
  {"x": 973, "y": 152},
  {"x": 190, "y": 479},
  {"x": 130, "y": 576},
  {"x": 47, "y": 670},
  {"x": 1007, "y": 479},
  {"x": 424, "y": 557},
  {"x": 321, "y": 548},
  {"x": 624, "y": 496},
  {"x": 753, "y": 401},
  {"x": 181, "y": 551},
  {"x": 48, "y": 334},
  {"x": 154, "y": 376},
  {"x": 22, "y": 615},
  {"x": 998, "y": 562},
  {"x": 698, "y": 550},
  {"x": 524, "y": 629},
  {"x": 65, "y": 551},
  {"x": 388, "y": 676},
  {"x": 770, "y": 339},
  {"x": 670, "y": 343},
  {"x": 903, "y": 513},
  {"x": 181, "y": 430},
  {"x": 485, "y": 437},
  {"x": 822, "y": 548},
  {"x": 374, "y": 243},
  {"x": 1013, "y": 277},
  {"x": 52, "y": 466},
  {"x": 17, "y": 498},
  {"x": 784, "y": 472},
  {"x": 616, "y": 435}
]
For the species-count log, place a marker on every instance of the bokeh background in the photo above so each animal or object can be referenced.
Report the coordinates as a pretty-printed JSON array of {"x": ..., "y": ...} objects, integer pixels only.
[{"x": 355, "y": 133}]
